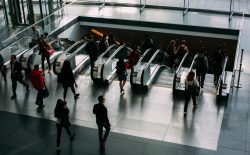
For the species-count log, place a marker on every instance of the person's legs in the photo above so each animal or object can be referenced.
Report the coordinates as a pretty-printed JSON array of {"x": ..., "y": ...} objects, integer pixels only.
[
  {"x": 59, "y": 132},
  {"x": 4, "y": 74},
  {"x": 42, "y": 59},
  {"x": 120, "y": 84},
  {"x": 203, "y": 75},
  {"x": 68, "y": 131},
  {"x": 48, "y": 61},
  {"x": 107, "y": 127},
  {"x": 40, "y": 97},
  {"x": 14, "y": 85},
  {"x": 73, "y": 89},
  {"x": 23, "y": 83},
  {"x": 123, "y": 83},
  {"x": 65, "y": 92},
  {"x": 100, "y": 132},
  {"x": 194, "y": 101}
]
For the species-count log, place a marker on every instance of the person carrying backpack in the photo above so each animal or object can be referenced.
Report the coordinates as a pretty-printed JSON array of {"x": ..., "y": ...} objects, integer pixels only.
[{"x": 201, "y": 67}]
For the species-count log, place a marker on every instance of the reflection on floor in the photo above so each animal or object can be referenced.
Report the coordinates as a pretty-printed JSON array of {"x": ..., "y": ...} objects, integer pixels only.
[{"x": 136, "y": 113}]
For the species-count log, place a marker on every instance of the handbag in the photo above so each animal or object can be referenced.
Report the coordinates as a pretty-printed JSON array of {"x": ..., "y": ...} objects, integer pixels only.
[
  {"x": 51, "y": 51},
  {"x": 45, "y": 92}
]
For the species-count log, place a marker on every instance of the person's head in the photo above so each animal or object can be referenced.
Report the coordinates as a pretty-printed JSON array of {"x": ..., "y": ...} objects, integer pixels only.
[
  {"x": 60, "y": 104},
  {"x": 191, "y": 76},
  {"x": 36, "y": 67},
  {"x": 104, "y": 36},
  {"x": 33, "y": 28},
  {"x": 101, "y": 99},
  {"x": 13, "y": 58},
  {"x": 66, "y": 66},
  {"x": 172, "y": 42},
  {"x": 183, "y": 42}
]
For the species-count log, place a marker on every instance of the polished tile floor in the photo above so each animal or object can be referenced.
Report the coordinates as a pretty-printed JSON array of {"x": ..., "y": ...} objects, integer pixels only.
[{"x": 153, "y": 118}]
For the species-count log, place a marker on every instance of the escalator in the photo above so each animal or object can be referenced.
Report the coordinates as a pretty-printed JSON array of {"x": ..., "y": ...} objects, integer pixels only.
[
  {"x": 150, "y": 69},
  {"x": 32, "y": 57},
  {"x": 185, "y": 66},
  {"x": 17, "y": 48},
  {"x": 104, "y": 68},
  {"x": 76, "y": 55}
]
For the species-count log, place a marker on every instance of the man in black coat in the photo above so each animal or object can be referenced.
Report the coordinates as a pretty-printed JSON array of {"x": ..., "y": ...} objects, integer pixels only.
[
  {"x": 16, "y": 75},
  {"x": 102, "y": 120},
  {"x": 93, "y": 52}
]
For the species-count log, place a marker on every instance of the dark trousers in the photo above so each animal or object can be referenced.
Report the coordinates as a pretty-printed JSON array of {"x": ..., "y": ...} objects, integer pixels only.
[
  {"x": 201, "y": 77},
  {"x": 59, "y": 133},
  {"x": 92, "y": 64},
  {"x": 217, "y": 72},
  {"x": 66, "y": 89},
  {"x": 45, "y": 56},
  {"x": 100, "y": 132},
  {"x": 39, "y": 97},
  {"x": 187, "y": 98},
  {"x": 14, "y": 84}
]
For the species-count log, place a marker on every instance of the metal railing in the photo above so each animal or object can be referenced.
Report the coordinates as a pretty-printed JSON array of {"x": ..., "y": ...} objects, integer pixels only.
[{"x": 222, "y": 77}]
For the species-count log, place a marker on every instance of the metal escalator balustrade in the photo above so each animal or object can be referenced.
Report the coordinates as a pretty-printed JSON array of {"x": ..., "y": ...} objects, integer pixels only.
[
  {"x": 108, "y": 70},
  {"x": 17, "y": 48},
  {"x": 150, "y": 70},
  {"x": 185, "y": 66},
  {"x": 136, "y": 71},
  {"x": 224, "y": 82},
  {"x": 58, "y": 63},
  {"x": 101, "y": 60},
  {"x": 79, "y": 58}
]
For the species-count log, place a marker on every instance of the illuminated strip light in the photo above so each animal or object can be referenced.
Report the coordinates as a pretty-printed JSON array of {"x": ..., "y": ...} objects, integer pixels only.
[{"x": 101, "y": 34}]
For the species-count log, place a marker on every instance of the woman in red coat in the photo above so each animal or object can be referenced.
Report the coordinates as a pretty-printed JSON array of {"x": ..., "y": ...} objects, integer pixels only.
[{"x": 37, "y": 80}]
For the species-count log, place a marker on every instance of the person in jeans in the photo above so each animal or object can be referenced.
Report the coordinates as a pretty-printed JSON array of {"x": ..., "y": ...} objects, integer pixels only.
[
  {"x": 190, "y": 85},
  {"x": 102, "y": 121},
  {"x": 61, "y": 113},
  {"x": 68, "y": 79},
  {"x": 16, "y": 75},
  {"x": 37, "y": 80}
]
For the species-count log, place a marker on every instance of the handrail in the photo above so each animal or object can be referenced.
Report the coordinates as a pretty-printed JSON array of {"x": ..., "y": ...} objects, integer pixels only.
[
  {"x": 76, "y": 51},
  {"x": 192, "y": 64},
  {"x": 222, "y": 77},
  {"x": 72, "y": 46},
  {"x": 151, "y": 59},
  {"x": 184, "y": 57},
  {"x": 112, "y": 55},
  {"x": 14, "y": 42},
  {"x": 110, "y": 47},
  {"x": 145, "y": 53},
  {"x": 29, "y": 27}
]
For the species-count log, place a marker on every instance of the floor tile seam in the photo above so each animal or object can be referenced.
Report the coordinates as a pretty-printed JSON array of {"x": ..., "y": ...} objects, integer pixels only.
[{"x": 232, "y": 148}]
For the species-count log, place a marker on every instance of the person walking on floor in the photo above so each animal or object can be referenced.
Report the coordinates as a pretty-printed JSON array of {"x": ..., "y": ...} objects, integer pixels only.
[
  {"x": 121, "y": 73},
  {"x": 37, "y": 80},
  {"x": 3, "y": 68},
  {"x": 61, "y": 113},
  {"x": 16, "y": 75},
  {"x": 68, "y": 79},
  {"x": 201, "y": 63},
  {"x": 43, "y": 51},
  {"x": 92, "y": 50},
  {"x": 102, "y": 121},
  {"x": 190, "y": 85}
]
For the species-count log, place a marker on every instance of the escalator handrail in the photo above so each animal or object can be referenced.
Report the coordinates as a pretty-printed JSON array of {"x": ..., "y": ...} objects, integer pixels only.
[
  {"x": 72, "y": 46},
  {"x": 116, "y": 51},
  {"x": 148, "y": 64},
  {"x": 145, "y": 53},
  {"x": 76, "y": 51},
  {"x": 181, "y": 63},
  {"x": 193, "y": 62},
  {"x": 110, "y": 47},
  {"x": 222, "y": 77},
  {"x": 151, "y": 59}
]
